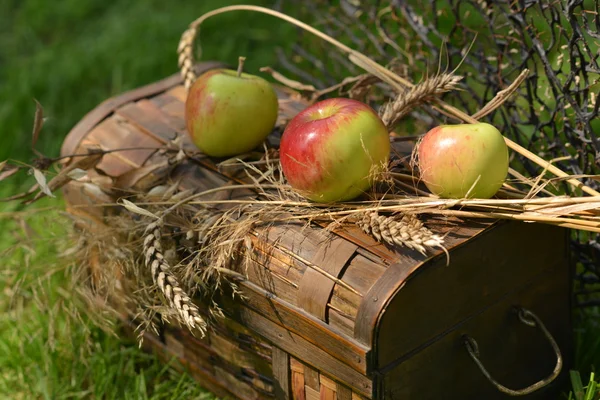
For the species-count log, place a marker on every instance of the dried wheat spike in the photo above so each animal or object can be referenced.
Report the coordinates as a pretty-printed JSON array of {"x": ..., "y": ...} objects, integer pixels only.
[
  {"x": 425, "y": 91},
  {"x": 406, "y": 230},
  {"x": 167, "y": 282},
  {"x": 186, "y": 57}
]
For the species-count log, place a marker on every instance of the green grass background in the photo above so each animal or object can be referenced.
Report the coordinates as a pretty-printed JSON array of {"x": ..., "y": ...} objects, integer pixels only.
[{"x": 71, "y": 55}]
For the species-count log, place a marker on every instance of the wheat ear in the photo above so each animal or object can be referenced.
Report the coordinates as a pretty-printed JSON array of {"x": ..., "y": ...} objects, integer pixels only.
[
  {"x": 186, "y": 57},
  {"x": 425, "y": 91},
  {"x": 405, "y": 230},
  {"x": 166, "y": 281}
]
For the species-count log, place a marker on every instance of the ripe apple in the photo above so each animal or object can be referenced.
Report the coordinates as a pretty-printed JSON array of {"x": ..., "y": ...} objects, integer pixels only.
[
  {"x": 228, "y": 112},
  {"x": 330, "y": 150},
  {"x": 452, "y": 158}
]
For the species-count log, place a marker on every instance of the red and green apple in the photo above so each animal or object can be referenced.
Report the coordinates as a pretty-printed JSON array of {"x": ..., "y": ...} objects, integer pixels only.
[
  {"x": 228, "y": 112},
  {"x": 331, "y": 150},
  {"x": 465, "y": 160}
]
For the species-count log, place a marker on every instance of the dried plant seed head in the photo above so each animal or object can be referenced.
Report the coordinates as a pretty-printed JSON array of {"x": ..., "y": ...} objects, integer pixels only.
[
  {"x": 405, "y": 230},
  {"x": 186, "y": 57},
  {"x": 166, "y": 281},
  {"x": 393, "y": 111}
]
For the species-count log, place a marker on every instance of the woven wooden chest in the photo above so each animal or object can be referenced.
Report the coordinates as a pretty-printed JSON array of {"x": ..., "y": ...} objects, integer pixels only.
[{"x": 352, "y": 319}]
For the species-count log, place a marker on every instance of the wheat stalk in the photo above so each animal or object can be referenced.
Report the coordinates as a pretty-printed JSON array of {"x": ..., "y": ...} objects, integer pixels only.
[
  {"x": 405, "y": 230},
  {"x": 395, "y": 110},
  {"x": 167, "y": 282}
]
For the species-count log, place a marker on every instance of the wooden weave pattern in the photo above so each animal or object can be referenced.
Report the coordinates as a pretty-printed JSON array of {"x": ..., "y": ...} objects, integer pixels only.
[{"x": 308, "y": 383}]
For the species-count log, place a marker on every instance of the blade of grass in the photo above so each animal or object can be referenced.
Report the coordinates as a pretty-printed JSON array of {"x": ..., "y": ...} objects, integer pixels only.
[
  {"x": 577, "y": 384},
  {"x": 591, "y": 388}
]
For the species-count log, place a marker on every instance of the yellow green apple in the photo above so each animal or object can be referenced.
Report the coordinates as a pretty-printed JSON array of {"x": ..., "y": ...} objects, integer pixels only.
[
  {"x": 228, "y": 112},
  {"x": 465, "y": 160}
]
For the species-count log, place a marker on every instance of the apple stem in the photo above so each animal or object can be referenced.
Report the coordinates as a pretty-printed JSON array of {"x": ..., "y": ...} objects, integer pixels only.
[{"x": 240, "y": 65}]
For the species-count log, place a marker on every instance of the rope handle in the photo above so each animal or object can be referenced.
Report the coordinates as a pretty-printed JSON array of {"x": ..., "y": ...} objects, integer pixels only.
[{"x": 530, "y": 319}]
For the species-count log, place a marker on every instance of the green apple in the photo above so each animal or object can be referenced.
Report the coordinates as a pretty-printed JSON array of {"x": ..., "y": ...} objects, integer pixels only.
[
  {"x": 466, "y": 159},
  {"x": 331, "y": 150},
  {"x": 228, "y": 112}
]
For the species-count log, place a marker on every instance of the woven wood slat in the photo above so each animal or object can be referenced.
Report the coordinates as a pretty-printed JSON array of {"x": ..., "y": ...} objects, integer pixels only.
[
  {"x": 298, "y": 382},
  {"x": 343, "y": 392},
  {"x": 281, "y": 373},
  {"x": 315, "y": 288}
]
